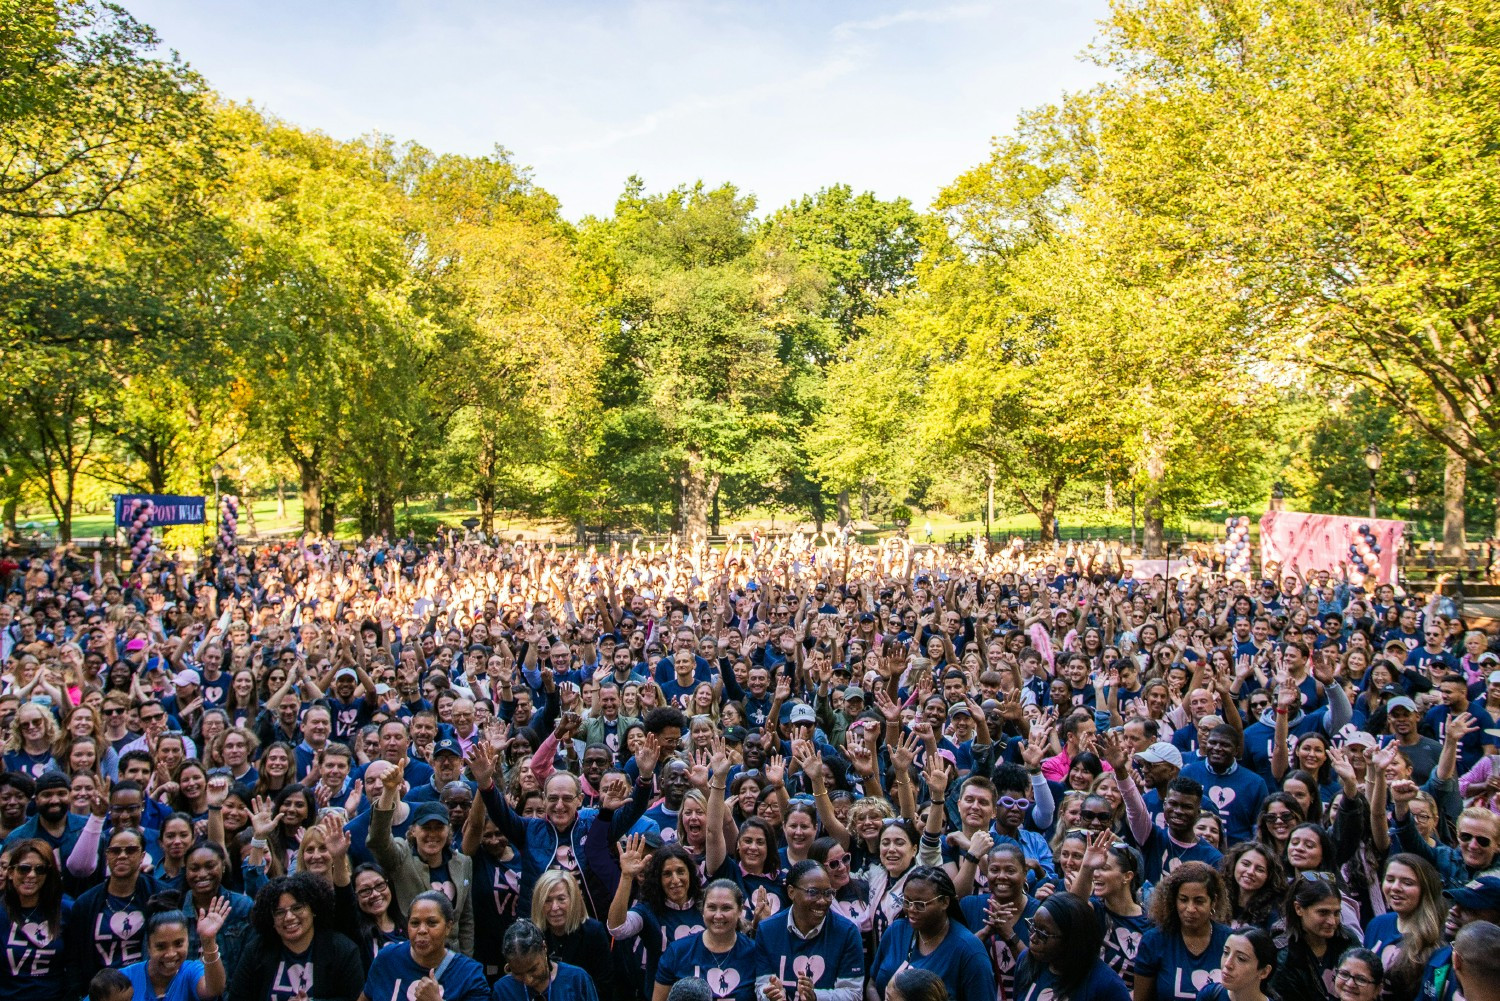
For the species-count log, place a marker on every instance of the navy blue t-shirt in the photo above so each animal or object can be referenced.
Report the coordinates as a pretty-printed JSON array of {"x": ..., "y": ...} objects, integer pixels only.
[
  {"x": 1163, "y": 854},
  {"x": 728, "y": 974},
  {"x": 835, "y": 952},
  {"x": 1179, "y": 974},
  {"x": 394, "y": 972},
  {"x": 959, "y": 960},
  {"x": 567, "y": 982},
  {"x": 1101, "y": 984},
  {"x": 1236, "y": 796},
  {"x": 34, "y": 969}
]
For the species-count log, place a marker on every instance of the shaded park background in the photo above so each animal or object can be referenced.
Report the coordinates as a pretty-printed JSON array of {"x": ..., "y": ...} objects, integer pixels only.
[{"x": 1264, "y": 246}]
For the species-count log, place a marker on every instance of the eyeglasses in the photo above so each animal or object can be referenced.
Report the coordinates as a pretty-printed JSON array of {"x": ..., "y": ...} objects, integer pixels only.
[
  {"x": 818, "y": 894},
  {"x": 1464, "y": 838},
  {"x": 915, "y": 906},
  {"x": 28, "y": 869},
  {"x": 842, "y": 862},
  {"x": 124, "y": 851},
  {"x": 1040, "y": 934},
  {"x": 1356, "y": 979},
  {"x": 287, "y": 912},
  {"x": 153, "y": 718},
  {"x": 1011, "y": 803},
  {"x": 1103, "y": 816},
  {"x": 114, "y": 712},
  {"x": 1278, "y": 818},
  {"x": 371, "y": 890}
]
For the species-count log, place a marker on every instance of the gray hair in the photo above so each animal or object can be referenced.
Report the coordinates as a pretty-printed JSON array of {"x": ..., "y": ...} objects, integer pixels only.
[{"x": 690, "y": 989}]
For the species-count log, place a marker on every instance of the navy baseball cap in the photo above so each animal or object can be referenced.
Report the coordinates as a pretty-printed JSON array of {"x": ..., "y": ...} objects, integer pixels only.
[{"x": 447, "y": 745}]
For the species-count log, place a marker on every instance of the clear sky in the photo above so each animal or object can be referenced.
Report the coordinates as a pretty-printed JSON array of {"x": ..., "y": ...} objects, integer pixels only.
[{"x": 779, "y": 98}]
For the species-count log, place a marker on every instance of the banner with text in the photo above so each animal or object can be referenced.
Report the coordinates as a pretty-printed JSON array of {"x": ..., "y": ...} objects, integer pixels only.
[{"x": 168, "y": 509}]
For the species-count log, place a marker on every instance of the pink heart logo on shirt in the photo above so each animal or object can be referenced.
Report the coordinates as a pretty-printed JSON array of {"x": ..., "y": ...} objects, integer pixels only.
[
  {"x": 810, "y": 967},
  {"x": 722, "y": 982}
]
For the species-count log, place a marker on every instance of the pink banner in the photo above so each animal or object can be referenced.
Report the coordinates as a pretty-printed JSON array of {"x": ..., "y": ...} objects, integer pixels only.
[{"x": 1324, "y": 541}]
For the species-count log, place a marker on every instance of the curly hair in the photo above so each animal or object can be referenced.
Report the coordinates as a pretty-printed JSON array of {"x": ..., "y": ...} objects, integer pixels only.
[
  {"x": 1164, "y": 898},
  {"x": 651, "y": 891},
  {"x": 304, "y": 888}
]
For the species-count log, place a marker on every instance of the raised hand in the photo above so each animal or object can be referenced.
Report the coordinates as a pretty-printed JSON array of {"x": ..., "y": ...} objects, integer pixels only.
[
  {"x": 860, "y": 757},
  {"x": 614, "y": 791},
  {"x": 1460, "y": 727},
  {"x": 1112, "y": 751},
  {"x": 1403, "y": 791},
  {"x": 212, "y": 918},
  {"x": 649, "y": 754},
  {"x": 633, "y": 856},
  {"x": 334, "y": 836},
  {"x": 263, "y": 817},
  {"x": 760, "y": 902},
  {"x": 427, "y": 989},
  {"x": 937, "y": 776},
  {"x": 698, "y": 771},
  {"x": 1385, "y": 757},
  {"x": 887, "y": 706},
  {"x": 719, "y": 761},
  {"x": 1097, "y": 852},
  {"x": 775, "y": 771},
  {"x": 218, "y": 790},
  {"x": 1342, "y": 766},
  {"x": 904, "y": 753},
  {"x": 481, "y": 761},
  {"x": 1036, "y": 746}
]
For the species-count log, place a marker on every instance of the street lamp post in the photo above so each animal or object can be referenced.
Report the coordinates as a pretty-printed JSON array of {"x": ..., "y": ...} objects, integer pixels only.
[
  {"x": 1410, "y": 476},
  {"x": 218, "y": 473},
  {"x": 1372, "y": 461}
]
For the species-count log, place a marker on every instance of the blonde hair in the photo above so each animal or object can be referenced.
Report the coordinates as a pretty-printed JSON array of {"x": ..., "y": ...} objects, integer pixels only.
[
  {"x": 544, "y": 885},
  {"x": 877, "y": 806},
  {"x": 691, "y": 796}
]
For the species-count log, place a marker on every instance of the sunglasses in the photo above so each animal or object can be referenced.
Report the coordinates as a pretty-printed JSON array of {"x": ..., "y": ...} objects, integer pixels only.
[
  {"x": 1465, "y": 838},
  {"x": 1102, "y": 816},
  {"x": 1012, "y": 803},
  {"x": 28, "y": 869}
]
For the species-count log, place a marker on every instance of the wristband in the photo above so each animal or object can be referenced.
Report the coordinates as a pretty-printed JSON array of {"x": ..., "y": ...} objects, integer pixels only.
[
  {"x": 968, "y": 857},
  {"x": 258, "y": 843},
  {"x": 212, "y": 807},
  {"x": 1282, "y": 710}
]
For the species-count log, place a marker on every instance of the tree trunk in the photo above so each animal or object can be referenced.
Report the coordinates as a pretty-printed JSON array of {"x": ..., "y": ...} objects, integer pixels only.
[
  {"x": 1046, "y": 513},
  {"x": 385, "y": 514},
  {"x": 312, "y": 495},
  {"x": 713, "y": 516},
  {"x": 1455, "y": 477},
  {"x": 843, "y": 507},
  {"x": 699, "y": 487},
  {"x": 1153, "y": 511},
  {"x": 328, "y": 514},
  {"x": 1109, "y": 494},
  {"x": 1153, "y": 520},
  {"x": 9, "y": 518},
  {"x": 280, "y": 500},
  {"x": 486, "y": 500}
]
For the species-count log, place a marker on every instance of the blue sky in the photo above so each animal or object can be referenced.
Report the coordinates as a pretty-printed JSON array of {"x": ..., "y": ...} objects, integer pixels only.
[{"x": 780, "y": 98}]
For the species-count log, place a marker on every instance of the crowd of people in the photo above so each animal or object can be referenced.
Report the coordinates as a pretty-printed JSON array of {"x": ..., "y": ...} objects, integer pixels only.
[{"x": 784, "y": 769}]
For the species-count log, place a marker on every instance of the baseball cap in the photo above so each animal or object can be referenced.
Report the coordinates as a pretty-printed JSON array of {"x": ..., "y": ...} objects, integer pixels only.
[
  {"x": 428, "y": 813},
  {"x": 51, "y": 779},
  {"x": 854, "y": 692},
  {"x": 1161, "y": 751},
  {"x": 1361, "y": 737},
  {"x": 734, "y": 735},
  {"x": 446, "y": 745},
  {"x": 1488, "y": 657},
  {"x": 382, "y": 689},
  {"x": 960, "y": 709},
  {"x": 186, "y": 677},
  {"x": 1400, "y": 702},
  {"x": 345, "y": 672},
  {"x": 1482, "y": 894},
  {"x": 1495, "y": 677},
  {"x": 803, "y": 713}
]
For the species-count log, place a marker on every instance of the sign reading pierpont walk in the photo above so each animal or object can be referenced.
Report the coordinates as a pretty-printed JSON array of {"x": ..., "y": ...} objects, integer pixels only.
[{"x": 167, "y": 509}]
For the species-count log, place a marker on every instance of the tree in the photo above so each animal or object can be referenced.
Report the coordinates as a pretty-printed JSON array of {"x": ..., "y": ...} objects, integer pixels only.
[
  {"x": 707, "y": 325},
  {"x": 87, "y": 113},
  {"x": 866, "y": 249},
  {"x": 1332, "y": 156}
]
